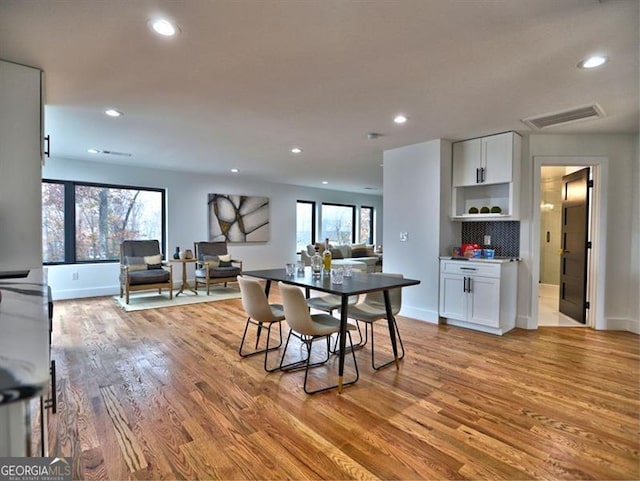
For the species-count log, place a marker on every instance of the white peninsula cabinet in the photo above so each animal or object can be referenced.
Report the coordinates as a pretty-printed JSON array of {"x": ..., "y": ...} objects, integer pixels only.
[
  {"x": 486, "y": 173},
  {"x": 479, "y": 294}
]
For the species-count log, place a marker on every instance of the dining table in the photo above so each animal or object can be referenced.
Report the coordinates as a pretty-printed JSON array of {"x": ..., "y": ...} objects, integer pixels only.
[{"x": 358, "y": 283}]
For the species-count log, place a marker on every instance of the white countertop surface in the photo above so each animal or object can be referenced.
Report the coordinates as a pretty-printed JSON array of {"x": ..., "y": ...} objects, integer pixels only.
[
  {"x": 24, "y": 336},
  {"x": 495, "y": 260}
]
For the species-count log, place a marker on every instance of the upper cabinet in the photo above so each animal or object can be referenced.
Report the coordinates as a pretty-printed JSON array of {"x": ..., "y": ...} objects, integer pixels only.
[
  {"x": 487, "y": 160},
  {"x": 485, "y": 176},
  {"x": 20, "y": 166}
]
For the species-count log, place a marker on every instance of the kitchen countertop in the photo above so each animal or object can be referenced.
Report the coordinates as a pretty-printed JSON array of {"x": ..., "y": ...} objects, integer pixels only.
[
  {"x": 495, "y": 260},
  {"x": 24, "y": 336}
]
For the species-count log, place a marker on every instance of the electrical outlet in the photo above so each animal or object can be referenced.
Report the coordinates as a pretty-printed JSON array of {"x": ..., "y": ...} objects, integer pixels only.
[
  {"x": 75, "y": 276},
  {"x": 487, "y": 240},
  {"x": 404, "y": 236}
]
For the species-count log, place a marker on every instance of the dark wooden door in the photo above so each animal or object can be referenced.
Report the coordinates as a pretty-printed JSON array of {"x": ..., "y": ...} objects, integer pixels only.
[{"x": 575, "y": 229}]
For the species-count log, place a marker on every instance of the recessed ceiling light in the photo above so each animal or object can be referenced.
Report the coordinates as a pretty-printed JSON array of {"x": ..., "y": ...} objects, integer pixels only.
[
  {"x": 593, "y": 62},
  {"x": 164, "y": 27},
  {"x": 400, "y": 119},
  {"x": 235, "y": 171},
  {"x": 324, "y": 182},
  {"x": 113, "y": 113},
  {"x": 296, "y": 150},
  {"x": 93, "y": 151}
]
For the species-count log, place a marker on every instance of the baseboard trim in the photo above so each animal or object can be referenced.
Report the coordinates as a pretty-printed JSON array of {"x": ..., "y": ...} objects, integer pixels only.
[
  {"x": 623, "y": 325},
  {"x": 420, "y": 314}
]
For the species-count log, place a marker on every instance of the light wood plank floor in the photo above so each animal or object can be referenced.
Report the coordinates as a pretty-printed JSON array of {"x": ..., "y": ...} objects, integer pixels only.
[{"x": 163, "y": 394}]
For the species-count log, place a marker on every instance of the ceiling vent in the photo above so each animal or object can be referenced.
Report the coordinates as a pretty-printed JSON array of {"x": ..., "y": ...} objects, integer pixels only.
[
  {"x": 587, "y": 112},
  {"x": 113, "y": 152}
]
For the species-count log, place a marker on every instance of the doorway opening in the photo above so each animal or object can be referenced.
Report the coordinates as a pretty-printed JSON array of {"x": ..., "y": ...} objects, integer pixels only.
[
  {"x": 552, "y": 251},
  {"x": 557, "y": 304}
]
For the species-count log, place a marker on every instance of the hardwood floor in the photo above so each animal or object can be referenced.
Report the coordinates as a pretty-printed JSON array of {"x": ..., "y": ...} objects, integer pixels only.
[{"x": 163, "y": 394}]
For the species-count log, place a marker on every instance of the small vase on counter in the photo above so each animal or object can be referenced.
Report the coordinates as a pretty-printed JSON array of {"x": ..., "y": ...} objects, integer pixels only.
[{"x": 176, "y": 254}]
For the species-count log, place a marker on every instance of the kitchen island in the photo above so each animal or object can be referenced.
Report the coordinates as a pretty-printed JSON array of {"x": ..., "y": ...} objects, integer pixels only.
[{"x": 25, "y": 325}]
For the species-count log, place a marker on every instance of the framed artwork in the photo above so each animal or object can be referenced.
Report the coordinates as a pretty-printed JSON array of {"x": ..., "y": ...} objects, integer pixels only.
[{"x": 238, "y": 218}]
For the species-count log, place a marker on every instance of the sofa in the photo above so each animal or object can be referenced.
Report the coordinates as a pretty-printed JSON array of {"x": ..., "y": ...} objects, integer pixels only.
[{"x": 348, "y": 252}]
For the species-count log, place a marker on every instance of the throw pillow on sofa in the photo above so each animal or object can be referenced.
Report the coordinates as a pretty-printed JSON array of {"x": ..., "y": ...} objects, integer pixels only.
[{"x": 359, "y": 250}]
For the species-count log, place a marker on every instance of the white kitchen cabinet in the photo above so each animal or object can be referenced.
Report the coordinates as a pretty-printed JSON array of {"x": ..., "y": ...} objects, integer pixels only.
[
  {"x": 20, "y": 166},
  {"x": 486, "y": 173},
  {"x": 21, "y": 125},
  {"x": 479, "y": 294},
  {"x": 486, "y": 160}
]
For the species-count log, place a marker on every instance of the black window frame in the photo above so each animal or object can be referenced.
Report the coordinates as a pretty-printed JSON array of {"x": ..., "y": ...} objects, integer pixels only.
[
  {"x": 70, "y": 219},
  {"x": 353, "y": 217},
  {"x": 371, "y": 226},
  {"x": 314, "y": 218}
]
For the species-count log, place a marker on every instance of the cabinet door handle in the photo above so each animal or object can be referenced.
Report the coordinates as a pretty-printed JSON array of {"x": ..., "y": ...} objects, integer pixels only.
[
  {"x": 467, "y": 268},
  {"x": 477, "y": 176},
  {"x": 481, "y": 174},
  {"x": 464, "y": 284},
  {"x": 470, "y": 279},
  {"x": 47, "y": 151}
]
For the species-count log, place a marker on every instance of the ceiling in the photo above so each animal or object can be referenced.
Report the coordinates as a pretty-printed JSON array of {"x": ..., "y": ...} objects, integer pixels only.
[{"x": 246, "y": 80}]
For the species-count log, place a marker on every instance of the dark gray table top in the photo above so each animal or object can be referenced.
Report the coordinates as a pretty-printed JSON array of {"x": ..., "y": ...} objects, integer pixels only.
[{"x": 359, "y": 283}]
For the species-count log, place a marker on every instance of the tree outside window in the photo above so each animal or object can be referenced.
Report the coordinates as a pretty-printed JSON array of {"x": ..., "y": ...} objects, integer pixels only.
[
  {"x": 366, "y": 224},
  {"x": 53, "y": 241},
  {"x": 338, "y": 223},
  {"x": 305, "y": 224}
]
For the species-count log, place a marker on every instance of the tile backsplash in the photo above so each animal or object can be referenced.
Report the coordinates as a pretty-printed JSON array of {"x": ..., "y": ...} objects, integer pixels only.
[{"x": 505, "y": 236}]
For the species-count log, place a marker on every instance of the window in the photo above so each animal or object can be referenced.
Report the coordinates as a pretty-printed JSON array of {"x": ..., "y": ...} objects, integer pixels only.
[
  {"x": 338, "y": 223},
  {"x": 305, "y": 224},
  {"x": 53, "y": 245},
  {"x": 366, "y": 224},
  {"x": 86, "y": 222}
]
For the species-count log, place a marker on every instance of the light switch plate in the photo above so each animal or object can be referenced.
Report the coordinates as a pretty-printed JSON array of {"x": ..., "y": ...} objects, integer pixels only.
[{"x": 404, "y": 236}]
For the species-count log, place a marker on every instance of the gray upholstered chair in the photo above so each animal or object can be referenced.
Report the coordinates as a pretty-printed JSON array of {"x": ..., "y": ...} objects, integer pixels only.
[
  {"x": 309, "y": 328},
  {"x": 142, "y": 268},
  {"x": 214, "y": 264},
  {"x": 262, "y": 315},
  {"x": 371, "y": 309}
]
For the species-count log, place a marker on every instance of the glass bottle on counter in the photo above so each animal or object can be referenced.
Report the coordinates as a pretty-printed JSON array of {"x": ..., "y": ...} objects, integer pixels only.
[
  {"x": 316, "y": 263},
  {"x": 326, "y": 257}
]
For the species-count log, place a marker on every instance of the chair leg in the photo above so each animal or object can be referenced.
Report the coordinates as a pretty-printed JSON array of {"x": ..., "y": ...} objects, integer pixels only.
[
  {"x": 327, "y": 388},
  {"x": 401, "y": 356},
  {"x": 302, "y": 363},
  {"x": 265, "y": 350},
  {"x": 358, "y": 345}
]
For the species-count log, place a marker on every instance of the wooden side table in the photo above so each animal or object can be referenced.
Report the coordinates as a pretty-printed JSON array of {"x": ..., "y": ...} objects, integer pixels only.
[{"x": 185, "y": 285}]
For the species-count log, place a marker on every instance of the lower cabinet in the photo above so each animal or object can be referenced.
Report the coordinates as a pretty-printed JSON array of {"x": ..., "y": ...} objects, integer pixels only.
[{"x": 479, "y": 295}]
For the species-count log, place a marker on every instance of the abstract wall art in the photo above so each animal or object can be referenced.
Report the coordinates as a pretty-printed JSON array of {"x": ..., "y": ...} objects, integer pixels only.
[{"x": 238, "y": 218}]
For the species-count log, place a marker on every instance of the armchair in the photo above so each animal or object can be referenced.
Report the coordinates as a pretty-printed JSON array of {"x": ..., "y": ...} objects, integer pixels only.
[
  {"x": 141, "y": 268},
  {"x": 214, "y": 265}
]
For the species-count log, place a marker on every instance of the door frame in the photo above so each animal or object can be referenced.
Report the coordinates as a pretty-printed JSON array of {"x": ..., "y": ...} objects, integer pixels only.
[{"x": 596, "y": 271}]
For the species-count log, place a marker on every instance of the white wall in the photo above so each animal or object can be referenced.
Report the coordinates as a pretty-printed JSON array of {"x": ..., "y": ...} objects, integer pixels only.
[
  {"x": 187, "y": 218},
  {"x": 417, "y": 200},
  {"x": 621, "y": 203}
]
